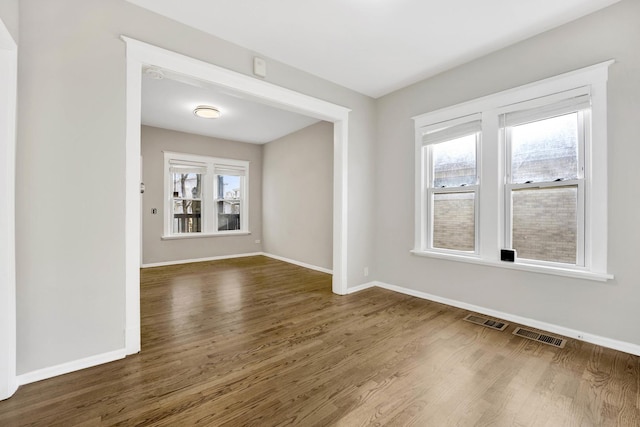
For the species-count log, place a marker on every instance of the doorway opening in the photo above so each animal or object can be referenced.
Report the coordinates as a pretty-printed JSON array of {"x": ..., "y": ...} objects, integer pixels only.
[{"x": 141, "y": 54}]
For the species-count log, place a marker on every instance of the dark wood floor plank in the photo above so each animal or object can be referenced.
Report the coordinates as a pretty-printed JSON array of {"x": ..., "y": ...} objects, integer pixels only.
[{"x": 255, "y": 341}]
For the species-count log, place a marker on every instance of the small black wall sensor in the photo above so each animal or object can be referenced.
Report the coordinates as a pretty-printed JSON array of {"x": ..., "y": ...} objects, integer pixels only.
[{"x": 508, "y": 255}]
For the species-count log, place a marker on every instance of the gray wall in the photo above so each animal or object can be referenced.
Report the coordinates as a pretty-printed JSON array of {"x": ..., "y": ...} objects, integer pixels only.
[
  {"x": 298, "y": 196},
  {"x": 154, "y": 142},
  {"x": 71, "y": 167},
  {"x": 607, "y": 309}
]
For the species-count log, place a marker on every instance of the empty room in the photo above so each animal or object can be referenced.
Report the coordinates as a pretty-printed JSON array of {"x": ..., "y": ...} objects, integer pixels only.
[{"x": 319, "y": 213}]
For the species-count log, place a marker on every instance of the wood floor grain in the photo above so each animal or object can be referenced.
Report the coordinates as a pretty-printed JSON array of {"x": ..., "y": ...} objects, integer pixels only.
[{"x": 258, "y": 342}]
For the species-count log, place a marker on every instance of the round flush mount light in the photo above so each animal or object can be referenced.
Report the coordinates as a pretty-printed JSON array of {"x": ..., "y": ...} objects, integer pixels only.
[{"x": 206, "y": 112}]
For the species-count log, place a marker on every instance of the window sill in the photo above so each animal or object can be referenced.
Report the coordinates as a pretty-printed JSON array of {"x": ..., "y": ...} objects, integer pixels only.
[
  {"x": 556, "y": 271},
  {"x": 202, "y": 235}
]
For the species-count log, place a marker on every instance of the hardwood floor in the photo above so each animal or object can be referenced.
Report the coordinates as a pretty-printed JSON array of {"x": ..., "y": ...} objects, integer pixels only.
[{"x": 255, "y": 341}]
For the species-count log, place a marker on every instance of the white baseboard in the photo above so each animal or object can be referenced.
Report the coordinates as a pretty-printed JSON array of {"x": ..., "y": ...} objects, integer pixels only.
[
  {"x": 298, "y": 263},
  {"x": 218, "y": 258},
  {"x": 362, "y": 287},
  {"x": 65, "y": 368},
  {"x": 189, "y": 261},
  {"x": 548, "y": 327}
]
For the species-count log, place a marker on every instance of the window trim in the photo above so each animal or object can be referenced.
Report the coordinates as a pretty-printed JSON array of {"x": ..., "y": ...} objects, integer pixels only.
[
  {"x": 492, "y": 204},
  {"x": 208, "y": 198}
]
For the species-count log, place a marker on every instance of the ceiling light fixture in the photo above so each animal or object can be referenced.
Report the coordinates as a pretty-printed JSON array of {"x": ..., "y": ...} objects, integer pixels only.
[{"x": 206, "y": 112}]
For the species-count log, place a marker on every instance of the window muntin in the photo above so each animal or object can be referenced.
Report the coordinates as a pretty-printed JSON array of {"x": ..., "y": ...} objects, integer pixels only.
[
  {"x": 544, "y": 188},
  {"x": 450, "y": 156},
  {"x": 205, "y": 195}
]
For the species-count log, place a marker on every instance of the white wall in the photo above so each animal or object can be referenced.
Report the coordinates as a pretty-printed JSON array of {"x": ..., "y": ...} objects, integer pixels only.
[
  {"x": 155, "y": 250},
  {"x": 605, "y": 309},
  {"x": 298, "y": 196},
  {"x": 71, "y": 167}
]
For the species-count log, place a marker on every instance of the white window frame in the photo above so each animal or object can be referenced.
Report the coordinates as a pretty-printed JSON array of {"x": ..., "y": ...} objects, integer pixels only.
[
  {"x": 212, "y": 167},
  {"x": 431, "y": 136},
  {"x": 492, "y": 232}
]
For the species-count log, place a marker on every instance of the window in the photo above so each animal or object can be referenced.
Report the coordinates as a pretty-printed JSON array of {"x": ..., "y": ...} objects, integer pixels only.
[
  {"x": 450, "y": 161},
  {"x": 205, "y": 195},
  {"x": 524, "y": 169},
  {"x": 545, "y": 184}
]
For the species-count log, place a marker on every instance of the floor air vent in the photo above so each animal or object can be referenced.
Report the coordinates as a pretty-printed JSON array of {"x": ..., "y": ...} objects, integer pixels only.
[
  {"x": 489, "y": 323},
  {"x": 536, "y": 336}
]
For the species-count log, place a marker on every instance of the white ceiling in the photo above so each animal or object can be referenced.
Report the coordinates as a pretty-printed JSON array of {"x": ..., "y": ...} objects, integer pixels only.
[
  {"x": 169, "y": 104},
  {"x": 374, "y": 46}
]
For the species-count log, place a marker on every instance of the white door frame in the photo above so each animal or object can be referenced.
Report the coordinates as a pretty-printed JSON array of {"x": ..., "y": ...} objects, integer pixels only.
[
  {"x": 140, "y": 54},
  {"x": 8, "y": 96}
]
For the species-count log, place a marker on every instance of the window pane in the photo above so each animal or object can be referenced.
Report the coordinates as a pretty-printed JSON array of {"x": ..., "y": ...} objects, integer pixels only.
[
  {"x": 228, "y": 215},
  {"x": 545, "y": 150},
  {"x": 229, "y": 187},
  {"x": 187, "y": 185},
  {"x": 454, "y": 221},
  {"x": 454, "y": 162},
  {"x": 187, "y": 216},
  {"x": 229, "y": 200},
  {"x": 544, "y": 223}
]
